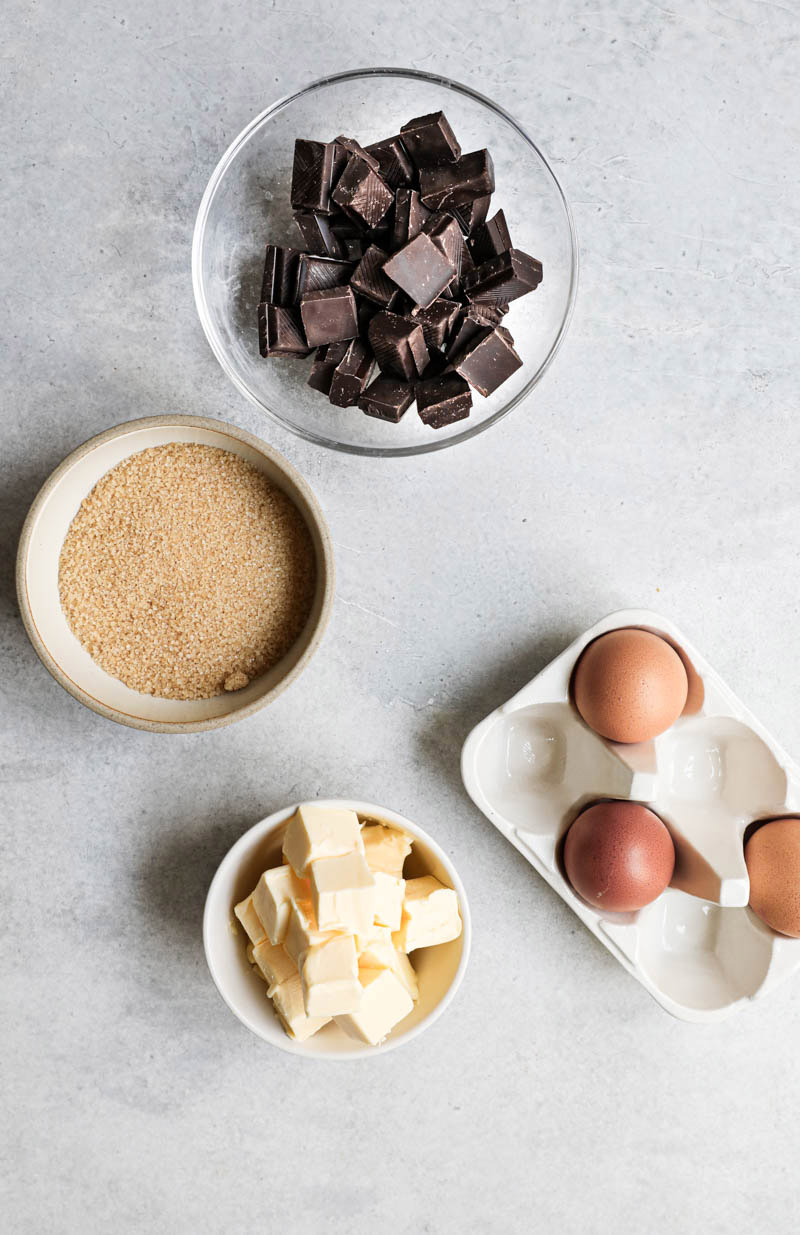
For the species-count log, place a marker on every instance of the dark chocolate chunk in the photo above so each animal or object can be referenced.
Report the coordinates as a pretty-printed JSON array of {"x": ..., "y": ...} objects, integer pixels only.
[
  {"x": 506, "y": 277},
  {"x": 409, "y": 215},
  {"x": 491, "y": 239},
  {"x": 325, "y": 361},
  {"x": 394, "y": 164},
  {"x": 444, "y": 231},
  {"x": 472, "y": 214},
  {"x": 329, "y": 315},
  {"x": 489, "y": 314},
  {"x": 366, "y": 311},
  {"x": 437, "y": 320},
  {"x": 351, "y": 375},
  {"x": 398, "y": 344},
  {"x": 455, "y": 184},
  {"x": 353, "y": 148},
  {"x": 429, "y": 139},
  {"x": 387, "y": 399},
  {"x": 369, "y": 280},
  {"x": 421, "y": 269},
  {"x": 476, "y": 318},
  {"x": 362, "y": 194},
  {"x": 279, "y": 284},
  {"x": 443, "y": 400},
  {"x": 437, "y": 365},
  {"x": 280, "y": 332},
  {"x": 316, "y": 273},
  {"x": 317, "y": 233},
  {"x": 488, "y": 360},
  {"x": 311, "y": 175}
]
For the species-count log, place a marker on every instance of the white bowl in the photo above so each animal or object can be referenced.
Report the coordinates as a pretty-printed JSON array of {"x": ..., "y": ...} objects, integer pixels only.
[
  {"x": 440, "y": 970},
  {"x": 43, "y": 534}
]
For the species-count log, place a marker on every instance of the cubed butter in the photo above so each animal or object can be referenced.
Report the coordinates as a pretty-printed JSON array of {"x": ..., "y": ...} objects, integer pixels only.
[
  {"x": 273, "y": 963},
  {"x": 287, "y": 1000},
  {"x": 319, "y": 832},
  {"x": 430, "y": 915},
  {"x": 382, "y": 955},
  {"x": 302, "y": 932},
  {"x": 384, "y": 1003},
  {"x": 272, "y": 899},
  {"x": 389, "y": 894},
  {"x": 246, "y": 913},
  {"x": 330, "y": 977},
  {"x": 385, "y": 849},
  {"x": 375, "y": 934},
  {"x": 343, "y": 893}
]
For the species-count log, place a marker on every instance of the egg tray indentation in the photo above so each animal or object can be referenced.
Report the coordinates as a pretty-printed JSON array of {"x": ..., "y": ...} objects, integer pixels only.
[{"x": 533, "y": 764}]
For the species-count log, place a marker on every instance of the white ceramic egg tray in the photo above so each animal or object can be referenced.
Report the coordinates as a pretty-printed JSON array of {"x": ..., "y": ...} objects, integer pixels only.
[{"x": 532, "y": 765}]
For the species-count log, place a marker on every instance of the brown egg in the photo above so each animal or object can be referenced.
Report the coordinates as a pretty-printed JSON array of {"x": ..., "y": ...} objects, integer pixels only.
[
  {"x": 772, "y": 855},
  {"x": 618, "y": 856},
  {"x": 630, "y": 685}
]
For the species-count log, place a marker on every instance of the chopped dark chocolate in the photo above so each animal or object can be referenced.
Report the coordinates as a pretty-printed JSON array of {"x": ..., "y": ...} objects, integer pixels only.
[
  {"x": 421, "y": 269},
  {"x": 398, "y": 344},
  {"x": 316, "y": 273},
  {"x": 318, "y": 235},
  {"x": 506, "y": 277},
  {"x": 362, "y": 193},
  {"x": 472, "y": 214},
  {"x": 387, "y": 399},
  {"x": 490, "y": 240},
  {"x": 311, "y": 175},
  {"x": 475, "y": 319},
  {"x": 366, "y": 311},
  {"x": 354, "y": 148},
  {"x": 488, "y": 360},
  {"x": 329, "y": 315},
  {"x": 394, "y": 164},
  {"x": 409, "y": 215},
  {"x": 351, "y": 375},
  {"x": 443, "y": 400},
  {"x": 429, "y": 139},
  {"x": 489, "y": 314},
  {"x": 437, "y": 365},
  {"x": 437, "y": 320},
  {"x": 369, "y": 280},
  {"x": 280, "y": 332},
  {"x": 279, "y": 284},
  {"x": 444, "y": 231},
  {"x": 456, "y": 184},
  {"x": 325, "y": 361}
]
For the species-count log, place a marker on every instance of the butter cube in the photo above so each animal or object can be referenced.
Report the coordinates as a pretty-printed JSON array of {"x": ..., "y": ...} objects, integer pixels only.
[
  {"x": 272, "y": 899},
  {"x": 382, "y": 955},
  {"x": 330, "y": 977},
  {"x": 389, "y": 894},
  {"x": 430, "y": 915},
  {"x": 385, "y": 849},
  {"x": 319, "y": 832},
  {"x": 384, "y": 1003},
  {"x": 287, "y": 1000},
  {"x": 246, "y": 913},
  {"x": 343, "y": 893},
  {"x": 375, "y": 934},
  {"x": 273, "y": 963},
  {"x": 302, "y": 932}
]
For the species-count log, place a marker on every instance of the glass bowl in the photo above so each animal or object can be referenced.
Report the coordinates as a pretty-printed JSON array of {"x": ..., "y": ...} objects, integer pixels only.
[{"x": 246, "y": 205}]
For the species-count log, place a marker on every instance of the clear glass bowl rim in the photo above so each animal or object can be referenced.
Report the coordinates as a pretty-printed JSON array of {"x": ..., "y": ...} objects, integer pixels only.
[{"x": 217, "y": 175}]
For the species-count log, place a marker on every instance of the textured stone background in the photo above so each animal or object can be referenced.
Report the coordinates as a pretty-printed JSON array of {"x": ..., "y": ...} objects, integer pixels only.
[{"x": 656, "y": 465}]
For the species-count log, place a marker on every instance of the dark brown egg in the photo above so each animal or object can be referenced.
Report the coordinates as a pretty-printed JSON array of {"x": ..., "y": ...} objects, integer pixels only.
[
  {"x": 618, "y": 856},
  {"x": 630, "y": 685},
  {"x": 772, "y": 855}
]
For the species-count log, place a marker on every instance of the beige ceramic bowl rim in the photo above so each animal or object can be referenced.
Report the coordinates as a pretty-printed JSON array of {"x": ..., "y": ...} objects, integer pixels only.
[
  {"x": 391, "y": 817},
  {"x": 174, "y": 420}
]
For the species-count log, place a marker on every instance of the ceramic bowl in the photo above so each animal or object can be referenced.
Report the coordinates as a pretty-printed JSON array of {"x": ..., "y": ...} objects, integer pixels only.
[
  {"x": 37, "y": 577},
  {"x": 440, "y": 970}
]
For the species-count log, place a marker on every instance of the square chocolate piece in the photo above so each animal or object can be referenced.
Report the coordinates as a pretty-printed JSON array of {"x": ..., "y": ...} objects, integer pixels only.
[
  {"x": 473, "y": 214},
  {"x": 362, "y": 193},
  {"x": 398, "y": 345},
  {"x": 369, "y": 280},
  {"x": 443, "y": 400},
  {"x": 316, "y": 273},
  {"x": 506, "y": 277},
  {"x": 436, "y": 321},
  {"x": 490, "y": 240},
  {"x": 457, "y": 184},
  {"x": 279, "y": 284},
  {"x": 280, "y": 332},
  {"x": 488, "y": 360},
  {"x": 387, "y": 399},
  {"x": 429, "y": 139},
  {"x": 318, "y": 235},
  {"x": 351, "y": 375},
  {"x": 325, "y": 361},
  {"x": 311, "y": 175},
  {"x": 394, "y": 164},
  {"x": 351, "y": 148},
  {"x": 421, "y": 269},
  {"x": 409, "y": 216},
  {"x": 329, "y": 315}
]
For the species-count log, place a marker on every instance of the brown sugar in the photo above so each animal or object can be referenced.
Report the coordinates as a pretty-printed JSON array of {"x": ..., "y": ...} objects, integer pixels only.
[{"x": 186, "y": 572}]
